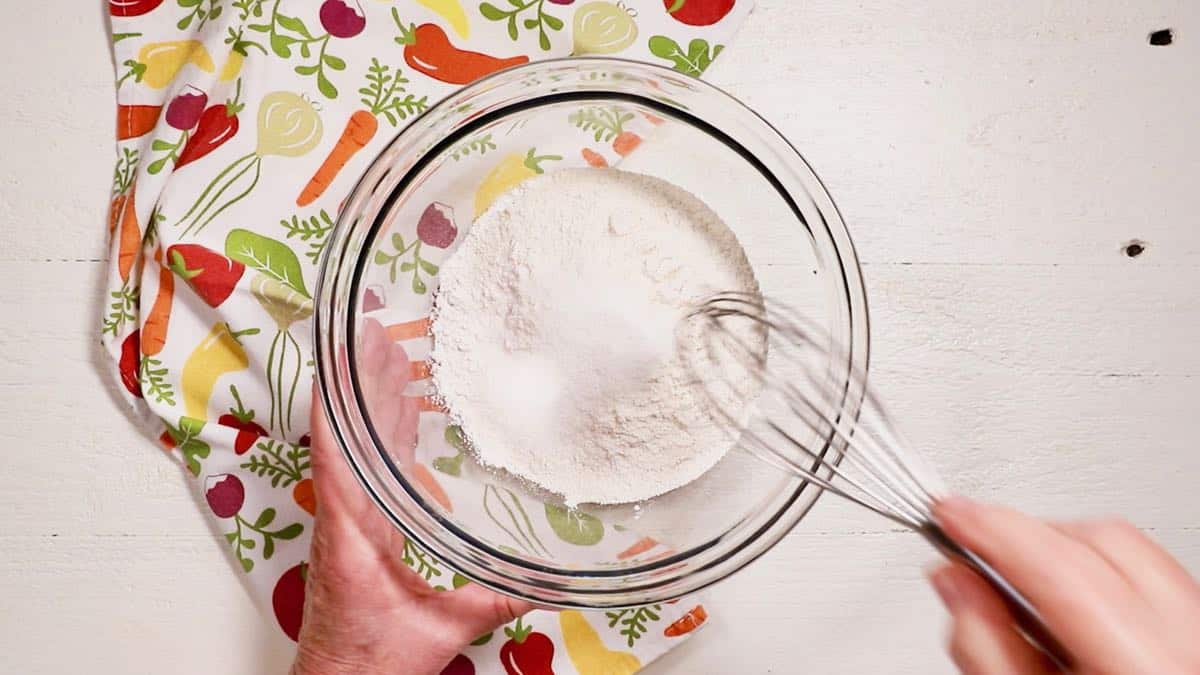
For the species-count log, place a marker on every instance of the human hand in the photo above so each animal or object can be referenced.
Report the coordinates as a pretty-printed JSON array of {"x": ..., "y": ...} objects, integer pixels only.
[
  {"x": 1116, "y": 600},
  {"x": 365, "y": 611}
]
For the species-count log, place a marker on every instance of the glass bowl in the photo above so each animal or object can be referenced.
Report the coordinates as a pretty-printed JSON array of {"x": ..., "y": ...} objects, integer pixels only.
[{"x": 403, "y": 220}]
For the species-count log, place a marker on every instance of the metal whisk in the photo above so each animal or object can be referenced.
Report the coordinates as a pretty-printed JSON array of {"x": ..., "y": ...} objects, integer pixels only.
[{"x": 800, "y": 426}]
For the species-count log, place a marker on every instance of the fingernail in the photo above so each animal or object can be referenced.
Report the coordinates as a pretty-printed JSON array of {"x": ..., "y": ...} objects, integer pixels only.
[{"x": 947, "y": 588}]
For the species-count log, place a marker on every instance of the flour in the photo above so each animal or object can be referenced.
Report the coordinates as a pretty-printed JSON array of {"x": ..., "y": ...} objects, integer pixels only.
[{"x": 559, "y": 339}]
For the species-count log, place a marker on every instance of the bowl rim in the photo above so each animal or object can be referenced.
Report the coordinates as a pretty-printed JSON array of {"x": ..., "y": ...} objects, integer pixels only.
[{"x": 340, "y": 275}]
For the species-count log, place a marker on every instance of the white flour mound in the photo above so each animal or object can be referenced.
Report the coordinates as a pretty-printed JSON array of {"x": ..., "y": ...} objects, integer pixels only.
[{"x": 558, "y": 341}]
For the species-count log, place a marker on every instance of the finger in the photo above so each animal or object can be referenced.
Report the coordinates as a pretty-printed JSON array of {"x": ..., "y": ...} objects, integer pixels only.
[
  {"x": 983, "y": 639},
  {"x": 478, "y": 610},
  {"x": 979, "y": 646},
  {"x": 1084, "y": 602},
  {"x": 1147, "y": 567}
]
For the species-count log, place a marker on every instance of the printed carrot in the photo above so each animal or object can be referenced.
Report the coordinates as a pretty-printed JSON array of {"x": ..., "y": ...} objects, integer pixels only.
[
  {"x": 428, "y": 50},
  {"x": 639, "y": 547},
  {"x": 136, "y": 120},
  {"x": 695, "y": 618},
  {"x": 429, "y": 404},
  {"x": 408, "y": 330},
  {"x": 305, "y": 497},
  {"x": 154, "y": 331},
  {"x": 425, "y": 478},
  {"x": 130, "y": 242},
  {"x": 594, "y": 158},
  {"x": 418, "y": 370},
  {"x": 626, "y": 142},
  {"x": 383, "y": 95},
  {"x": 359, "y": 131}
]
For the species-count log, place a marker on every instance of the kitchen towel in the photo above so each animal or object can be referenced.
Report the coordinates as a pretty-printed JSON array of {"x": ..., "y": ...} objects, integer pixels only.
[{"x": 241, "y": 126}]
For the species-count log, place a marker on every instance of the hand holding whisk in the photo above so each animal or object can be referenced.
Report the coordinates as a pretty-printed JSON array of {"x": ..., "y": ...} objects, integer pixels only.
[{"x": 807, "y": 422}]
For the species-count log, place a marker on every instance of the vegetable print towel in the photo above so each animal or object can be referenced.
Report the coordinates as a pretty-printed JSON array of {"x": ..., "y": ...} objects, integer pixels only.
[{"x": 241, "y": 126}]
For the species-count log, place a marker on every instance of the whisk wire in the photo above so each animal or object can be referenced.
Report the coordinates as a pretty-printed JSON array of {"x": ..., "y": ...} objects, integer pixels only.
[{"x": 855, "y": 452}]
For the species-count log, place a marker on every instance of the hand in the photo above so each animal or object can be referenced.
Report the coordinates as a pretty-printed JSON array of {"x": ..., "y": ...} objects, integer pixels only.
[
  {"x": 365, "y": 611},
  {"x": 1115, "y": 599}
]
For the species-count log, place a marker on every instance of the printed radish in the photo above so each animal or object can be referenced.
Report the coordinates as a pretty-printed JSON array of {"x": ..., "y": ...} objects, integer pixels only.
[
  {"x": 698, "y": 12},
  {"x": 526, "y": 652},
  {"x": 211, "y": 275},
  {"x": 241, "y": 419},
  {"x": 428, "y": 50},
  {"x": 436, "y": 227},
  {"x": 129, "y": 364},
  {"x": 341, "y": 20},
  {"x": 184, "y": 110},
  {"x": 217, "y": 124},
  {"x": 225, "y": 494},
  {"x": 287, "y": 600}
]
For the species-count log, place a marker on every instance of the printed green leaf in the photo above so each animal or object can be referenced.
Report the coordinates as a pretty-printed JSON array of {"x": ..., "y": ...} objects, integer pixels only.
[
  {"x": 293, "y": 24},
  {"x": 692, "y": 62},
  {"x": 491, "y": 12},
  {"x": 273, "y": 258},
  {"x": 265, "y": 518},
  {"x": 290, "y": 532},
  {"x": 574, "y": 527}
]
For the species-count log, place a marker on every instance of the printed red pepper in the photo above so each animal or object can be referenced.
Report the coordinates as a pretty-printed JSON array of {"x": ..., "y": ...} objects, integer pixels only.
[
  {"x": 526, "y": 652},
  {"x": 241, "y": 419},
  {"x": 131, "y": 353},
  {"x": 132, "y": 7},
  {"x": 211, "y": 275},
  {"x": 428, "y": 50},
  {"x": 218, "y": 123}
]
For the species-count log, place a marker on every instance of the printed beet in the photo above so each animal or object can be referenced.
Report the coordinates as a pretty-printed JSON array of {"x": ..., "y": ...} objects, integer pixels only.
[
  {"x": 372, "y": 298},
  {"x": 225, "y": 494},
  {"x": 436, "y": 225},
  {"x": 459, "y": 665},
  {"x": 341, "y": 20},
  {"x": 698, "y": 12},
  {"x": 287, "y": 600},
  {"x": 185, "y": 109}
]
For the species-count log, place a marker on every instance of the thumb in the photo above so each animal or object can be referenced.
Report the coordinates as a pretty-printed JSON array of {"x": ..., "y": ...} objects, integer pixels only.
[
  {"x": 479, "y": 610},
  {"x": 983, "y": 639}
]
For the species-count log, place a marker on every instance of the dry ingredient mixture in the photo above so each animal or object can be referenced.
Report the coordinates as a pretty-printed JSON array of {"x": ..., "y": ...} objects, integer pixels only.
[{"x": 558, "y": 340}]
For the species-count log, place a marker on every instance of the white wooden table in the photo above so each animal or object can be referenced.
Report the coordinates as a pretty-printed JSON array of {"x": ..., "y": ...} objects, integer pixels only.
[{"x": 992, "y": 161}]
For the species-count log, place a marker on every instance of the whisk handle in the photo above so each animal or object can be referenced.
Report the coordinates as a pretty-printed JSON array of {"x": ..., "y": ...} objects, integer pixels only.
[{"x": 1027, "y": 617}]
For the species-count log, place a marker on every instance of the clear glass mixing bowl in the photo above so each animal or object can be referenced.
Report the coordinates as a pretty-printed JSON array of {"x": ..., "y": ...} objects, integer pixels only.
[{"x": 417, "y": 201}]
